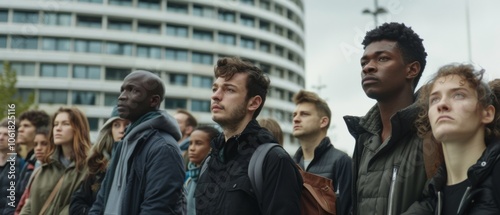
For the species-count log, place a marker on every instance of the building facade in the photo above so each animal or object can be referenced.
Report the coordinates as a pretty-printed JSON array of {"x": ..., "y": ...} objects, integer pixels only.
[{"x": 76, "y": 53}]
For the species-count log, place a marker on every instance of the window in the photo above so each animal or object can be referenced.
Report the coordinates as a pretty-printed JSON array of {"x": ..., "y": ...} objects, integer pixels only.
[
  {"x": 178, "y": 79},
  {"x": 83, "y": 98},
  {"x": 25, "y": 94},
  {"x": 265, "y": 47},
  {"x": 200, "y": 105},
  {"x": 290, "y": 35},
  {"x": 176, "y": 54},
  {"x": 280, "y": 115},
  {"x": 86, "y": 72},
  {"x": 278, "y": 9},
  {"x": 26, "y": 17},
  {"x": 175, "y": 103},
  {"x": 24, "y": 42},
  {"x": 4, "y": 15},
  {"x": 278, "y": 30},
  {"x": 54, "y": 70},
  {"x": 265, "y": 5},
  {"x": 265, "y": 68},
  {"x": 201, "y": 81},
  {"x": 203, "y": 35},
  {"x": 121, "y": 2},
  {"x": 148, "y": 28},
  {"x": 3, "y": 41},
  {"x": 247, "y": 43},
  {"x": 289, "y": 14},
  {"x": 291, "y": 56},
  {"x": 149, "y": 4},
  {"x": 93, "y": 123},
  {"x": 23, "y": 69},
  {"x": 247, "y": 21},
  {"x": 53, "y": 97},
  {"x": 177, "y": 7},
  {"x": 116, "y": 74},
  {"x": 226, "y": 38},
  {"x": 202, "y": 11},
  {"x": 177, "y": 30},
  {"x": 264, "y": 25},
  {"x": 56, "y": 44},
  {"x": 118, "y": 48},
  {"x": 248, "y": 2},
  {"x": 148, "y": 52},
  {"x": 110, "y": 99},
  {"x": 119, "y": 25},
  {"x": 227, "y": 16},
  {"x": 203, "y": 58},
  {"x": 92, "y": 46},
  {"x": 90, "y": 22},
  {"x": 51, "y": 18},
  {"x": 278, "y": 50},
  {"x": 91, "y": 1}
]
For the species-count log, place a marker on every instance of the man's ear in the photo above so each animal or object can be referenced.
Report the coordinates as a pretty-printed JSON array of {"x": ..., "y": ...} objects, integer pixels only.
[
  {"x": 189, "y": 129},
  {"x": 324, "y": 122},
  {"x": 413, "y": 69},
  {"x": 154, "y": 101},
  {"x": 254, "y": 103}
]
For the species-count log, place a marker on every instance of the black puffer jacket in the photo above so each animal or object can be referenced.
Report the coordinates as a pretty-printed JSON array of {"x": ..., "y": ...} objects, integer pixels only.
[
  {"x": 224, "y": 188},
  {"x": 334, "y": 164},
  {"x": 482, "y": 197}
]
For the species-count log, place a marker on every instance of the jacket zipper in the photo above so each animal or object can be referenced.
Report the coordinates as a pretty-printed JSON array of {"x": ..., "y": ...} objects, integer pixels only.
[
  {"x": 439, "y": 205},
  {"x": 392, "y": 189},
  {"x": 463, "y": 200}
]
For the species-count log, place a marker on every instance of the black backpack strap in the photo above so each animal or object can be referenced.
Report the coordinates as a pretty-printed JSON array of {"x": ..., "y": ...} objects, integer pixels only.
[{"x": 255, "y": 168}]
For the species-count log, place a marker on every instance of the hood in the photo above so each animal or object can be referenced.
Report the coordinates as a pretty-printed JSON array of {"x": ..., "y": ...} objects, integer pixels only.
[{"x": 163, "y": 122}]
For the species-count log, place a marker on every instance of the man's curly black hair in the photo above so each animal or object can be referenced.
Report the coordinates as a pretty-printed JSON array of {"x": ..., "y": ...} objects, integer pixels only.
[{"x": 409, "y": 43}]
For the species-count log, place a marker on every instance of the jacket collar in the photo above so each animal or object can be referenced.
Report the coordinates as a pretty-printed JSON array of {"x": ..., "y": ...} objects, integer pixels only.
[
  {"x": 402, "y": 122},
  {"x": 477, "y": 173},
  {"x": 250, "y": 138},
  {"x": 322, "y": 148}
]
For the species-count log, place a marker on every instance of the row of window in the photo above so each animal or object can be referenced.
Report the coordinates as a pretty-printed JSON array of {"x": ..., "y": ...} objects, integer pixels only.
[
  {"x": 92, "y": 98},
  {"x": 97, "y": 72},
  {"x": 65, "y": 19},
  {"x": 145, "y": 51},
  {"x": 177, "y": 7}
]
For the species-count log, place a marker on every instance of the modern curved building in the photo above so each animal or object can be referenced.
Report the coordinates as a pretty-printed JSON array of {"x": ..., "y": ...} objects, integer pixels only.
[{"x": 76, "y": 53}]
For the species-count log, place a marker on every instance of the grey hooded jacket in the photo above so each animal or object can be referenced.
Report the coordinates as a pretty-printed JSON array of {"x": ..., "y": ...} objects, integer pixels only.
[{"x": 154, "y": 170}]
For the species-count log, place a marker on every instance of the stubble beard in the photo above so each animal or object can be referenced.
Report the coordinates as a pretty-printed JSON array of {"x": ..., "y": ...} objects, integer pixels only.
[{"x": 235, "y": 117}]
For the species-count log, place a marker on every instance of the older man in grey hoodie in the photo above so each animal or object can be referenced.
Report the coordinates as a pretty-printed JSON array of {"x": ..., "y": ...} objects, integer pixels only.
[{"x": 146, "y": 173}]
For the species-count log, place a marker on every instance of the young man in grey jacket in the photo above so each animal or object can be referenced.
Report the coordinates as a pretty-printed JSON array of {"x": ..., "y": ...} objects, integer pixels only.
[
  {"x": 390, "y": 168},
  {"x": 311, "y": 120},
  {"x": 146, "y": 173}
]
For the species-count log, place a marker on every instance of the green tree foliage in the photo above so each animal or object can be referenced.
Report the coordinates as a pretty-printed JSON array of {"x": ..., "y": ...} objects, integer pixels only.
[{"x": 8, "y": 93}]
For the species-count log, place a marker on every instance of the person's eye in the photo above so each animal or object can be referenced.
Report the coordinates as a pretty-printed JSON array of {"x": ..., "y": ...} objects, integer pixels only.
[
  {"x": 458, "y": 96},
  {"x": 433, "y": 100},
  {"x": 383, "y": 59}
]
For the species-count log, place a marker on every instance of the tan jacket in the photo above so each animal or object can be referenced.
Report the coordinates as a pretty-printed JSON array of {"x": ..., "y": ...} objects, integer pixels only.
[{"x": 45, "y": 182}]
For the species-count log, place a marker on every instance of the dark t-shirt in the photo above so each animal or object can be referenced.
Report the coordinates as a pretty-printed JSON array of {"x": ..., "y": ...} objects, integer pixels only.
[{"x": 452, "y": 195}]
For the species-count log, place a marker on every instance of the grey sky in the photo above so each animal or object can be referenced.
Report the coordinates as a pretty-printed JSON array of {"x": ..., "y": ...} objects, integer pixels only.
[{"x": 335, "y": 29}]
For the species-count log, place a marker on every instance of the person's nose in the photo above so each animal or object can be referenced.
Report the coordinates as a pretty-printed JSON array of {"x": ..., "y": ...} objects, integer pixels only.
[
  {"x": 443, "y": 105},
  {"x": 369, "y": 67}
]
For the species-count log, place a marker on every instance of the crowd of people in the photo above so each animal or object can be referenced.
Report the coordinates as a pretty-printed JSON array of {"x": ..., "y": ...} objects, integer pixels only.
[{"x": 433, "y": 150}]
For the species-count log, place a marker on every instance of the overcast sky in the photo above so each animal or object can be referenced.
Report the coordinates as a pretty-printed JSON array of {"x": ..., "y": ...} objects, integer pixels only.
[{"x": 335, "y": 29}]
